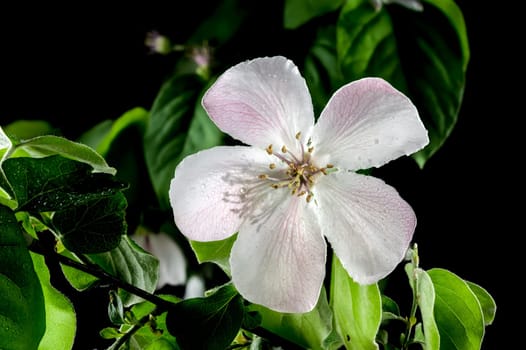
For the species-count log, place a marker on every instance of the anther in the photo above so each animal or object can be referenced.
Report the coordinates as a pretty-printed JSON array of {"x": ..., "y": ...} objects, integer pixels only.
[
  {"x": 284, "y": 149},
  {"x": 329, "y": 166},
  {"x": 323, "y": 171},
  {"x": 272, "y": 166},
  {"x": 263, "y": 176},
  {"x": 298, "y": 135},
  {"x": 309, "y": 198},
  {"x": 301, "y": 193},
  {"x": 269, "y": 149},
  {"x": 310, "y": 149}
]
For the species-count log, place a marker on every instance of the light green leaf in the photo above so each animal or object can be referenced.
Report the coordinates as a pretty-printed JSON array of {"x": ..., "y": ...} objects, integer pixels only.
[
  {"x": 458, "y": 314},
  {"x": 487, "y": 303},
  {"x": 5, "y": 143},
  {"x": 311, "y": 330},
  {"x": 178, "y": 126},
  {"x": 357, "y": 309},
  {"x": 298, "y": 12},
  {"x": 26, "y": 129},
  {"x": 60, "y": 315},
  {"x": 22, "y": 314},
  {"x": 426, "y": 302},
  {"x": 131, "y": 264},
  {"x": 43, "y": 146},
  {"x": 79, "y": 280},
  {"x": 209, "y": 323},
  {"x": 101, "y": 136},
  {"x": 423, "y": 54},
  {"x": 217, "y": 252}
]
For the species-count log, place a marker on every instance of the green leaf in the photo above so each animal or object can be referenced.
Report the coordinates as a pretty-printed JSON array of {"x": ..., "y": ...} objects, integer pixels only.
[
  {"x": 426, "y": 303},
  {"x": 357, "y": 309},
  {"x": 487, "y": 303},
  {"x": 457, "y": 312},
  {"x": 22, "y": 313},
  {"x": 132, "y": 264},
  {"x": 298, "y": 12},
  {"x": 424, "y": 54},
  {"x": 217, "y": 252},
  {"x": 209, "y": 323},
  {"x": 26, "y": 129},
  {"x": 43, "y": 146},
  {"x": 60, "y": 315},
  {"x": 101, "y": 136},
  {"x": 92, "y": 227},
  {"x": 55, "y": 183},
  {"x": 79, "y": 280},
  {"x": 178, "y": 126},
  {"x": 312, "y": 330},
  {"x": 5, "y": 143}
]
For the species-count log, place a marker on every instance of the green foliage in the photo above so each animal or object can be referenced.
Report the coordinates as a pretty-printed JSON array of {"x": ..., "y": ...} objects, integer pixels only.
[
  {"x": 424, "y": 54},
  {"x": 22, "y": 308},
  {"x": 217, "y": 252},
  {"x": 357, "y": 309},
  {"x": 298, "y": 12},
  {"x": 209, "y": 323},
  {"x": 178, "y": 126},
  {"x": 61, "y": 320},
  {"x": 131, "y": 264},
  {"x": 312, "y": 330},
  {"x": 458, "y": 313}
]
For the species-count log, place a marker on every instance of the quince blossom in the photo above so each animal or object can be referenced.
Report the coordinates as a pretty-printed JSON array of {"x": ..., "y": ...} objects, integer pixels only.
[{"x": 295, "y": 185}]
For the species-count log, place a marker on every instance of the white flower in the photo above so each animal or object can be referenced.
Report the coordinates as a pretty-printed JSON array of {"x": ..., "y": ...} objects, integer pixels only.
[
  {"x": 295, "y": 184},
  {"x": 172, "y": 262}
]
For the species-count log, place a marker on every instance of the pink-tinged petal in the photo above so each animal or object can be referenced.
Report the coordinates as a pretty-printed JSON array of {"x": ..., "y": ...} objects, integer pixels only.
[
  {"x": 172, "y": 262},
  {"x": 213, "y": 190},
  {"x": 367, "y": 123},
  {"x": 278, "y": 261},
  {"x": 261, "y": 102},
  {"x": 367, "y": 223}
]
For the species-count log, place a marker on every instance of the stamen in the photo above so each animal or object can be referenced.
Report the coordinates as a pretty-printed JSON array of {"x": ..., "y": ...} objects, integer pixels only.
[
  {"x": 284, "y": 149},
  {"x": 323, "y": 171},
  {"x": 272, "y": 166},
  {"x": 329, "y": 166},
  {"x": 269, "y": 149},
  {"x": 263, "y": 176},
  {"x": 309, "y": 198},
  {"x": 301, "y": 193},
  {"x": 310, "y": 149},
  {"x": 298, "y": 135}
]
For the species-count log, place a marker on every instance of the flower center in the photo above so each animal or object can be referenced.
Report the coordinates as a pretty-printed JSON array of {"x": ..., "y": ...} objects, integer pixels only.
[{"x": 301, "y": 173}]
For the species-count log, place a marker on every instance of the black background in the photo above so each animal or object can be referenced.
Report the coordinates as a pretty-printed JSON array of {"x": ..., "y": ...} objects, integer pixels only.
[{"x": 75, "y": 66}]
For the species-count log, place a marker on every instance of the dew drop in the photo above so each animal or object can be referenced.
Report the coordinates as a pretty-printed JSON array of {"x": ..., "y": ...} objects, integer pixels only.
[{"x": 242, "y": 190}]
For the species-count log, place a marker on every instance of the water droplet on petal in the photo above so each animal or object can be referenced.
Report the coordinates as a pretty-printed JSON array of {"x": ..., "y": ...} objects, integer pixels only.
[{"x": 242, "y": 190}]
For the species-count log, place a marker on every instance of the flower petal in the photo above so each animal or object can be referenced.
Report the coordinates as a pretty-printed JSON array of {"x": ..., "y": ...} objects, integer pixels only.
[
  {"x": 279, "y": 262},
  {"x": 367, "y": 123},
  {"x": 367, "y": 223},
  {"x": 261, "y": 102},
  {"x": 214, "y": 189},
  {"x": 172, "y": 262}
]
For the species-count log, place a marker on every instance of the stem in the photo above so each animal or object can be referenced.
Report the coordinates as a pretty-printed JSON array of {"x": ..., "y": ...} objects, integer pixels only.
[
  {"x": 103, "y": 275},
  {"x": 122, "y": 340}
]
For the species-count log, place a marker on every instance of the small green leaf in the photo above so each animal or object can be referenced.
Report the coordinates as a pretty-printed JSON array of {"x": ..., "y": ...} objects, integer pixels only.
[
  {"x": 312, "y": 330},
  {"x": 5, "y": 143},
  {"x": 22, "y": 308},
  {"x": 458, "y": 314},
  {"x": 131, "y": 264},
  {"x": 298, "y": 12},
  {"x": 178, "y": 126},
  {"x": 60, "y": 315},
  {"x": 43, "y": 146},
  {"x": 115, "y": 309},
  {"x": 217, "y": 252},
  {"x": 487, "y": 303},
  {"x": 79, "y": 280},
  {"x": 357, "y": 309},
  {"x": 209, "y": 323},
  {"x": 426, "y": 303}
]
